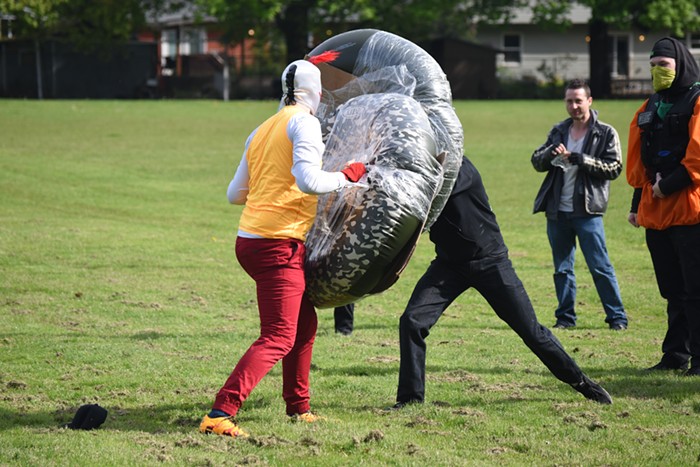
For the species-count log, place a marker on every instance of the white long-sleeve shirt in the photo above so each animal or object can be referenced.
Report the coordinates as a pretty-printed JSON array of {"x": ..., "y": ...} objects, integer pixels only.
[{"x": 304, "y": 131}]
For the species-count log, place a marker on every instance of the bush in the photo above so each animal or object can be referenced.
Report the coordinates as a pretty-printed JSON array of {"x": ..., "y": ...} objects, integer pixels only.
[{"x": 528, "y": 87}]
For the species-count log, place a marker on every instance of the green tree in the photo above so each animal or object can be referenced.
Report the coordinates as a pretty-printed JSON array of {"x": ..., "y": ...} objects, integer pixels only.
[
  {"x": 101, "y": 26},
  {"x": 237, "y": 17},
  {"x": 417, "y": 20},
  {"x": 35, "y": 20},
  {"x": 84, "y": 22},
  {"x": 414, "y": 19},
  {"x": 420, "y": 20},
  {"x": 290, "y": 17},
  {"x": 91, "y": 26}
]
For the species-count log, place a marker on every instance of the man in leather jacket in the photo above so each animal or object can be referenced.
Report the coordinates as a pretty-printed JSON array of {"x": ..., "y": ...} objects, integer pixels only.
[
  {"x": 580, "y": 157},
  {"x": 470, "y": 253},
  {"x": 663, "y": 166}
]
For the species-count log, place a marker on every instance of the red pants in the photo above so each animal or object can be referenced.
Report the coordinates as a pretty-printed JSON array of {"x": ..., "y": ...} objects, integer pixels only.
[{"x": 287, "y": 325}]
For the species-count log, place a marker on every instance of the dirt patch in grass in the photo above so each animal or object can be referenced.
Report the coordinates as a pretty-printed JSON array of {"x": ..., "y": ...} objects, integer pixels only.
[
  {"x": 21, "y": 311},
  {"x": 268, "y": 441},
  {"x": 412, "y": 449},
  {"x": 497, "y": 450},
  {"x": 373, "y": 436},
  {"x": 588, "y": 420},
  {"x": 459, "y": 376},
  {"x": 420, "y": 421},
  {"x": 16, "y": 385},
  {"x": 383, "y": 359},
  {"x": 469, "y": 412}
]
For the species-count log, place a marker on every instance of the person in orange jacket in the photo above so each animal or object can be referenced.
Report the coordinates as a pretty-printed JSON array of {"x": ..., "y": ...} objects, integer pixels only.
[{"x": 663, "y": 166}]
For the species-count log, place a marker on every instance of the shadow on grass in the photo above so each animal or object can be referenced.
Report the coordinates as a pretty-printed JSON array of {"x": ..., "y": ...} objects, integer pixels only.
[
  {"x": 359, "y": 370},
  {"x": 639, "y": 383},
  {"x": 622, "y": 382},
  {"x": 153, "y": 419},
  {"x": 628, "y": 382},
  {"x": 166, "y": 418}
]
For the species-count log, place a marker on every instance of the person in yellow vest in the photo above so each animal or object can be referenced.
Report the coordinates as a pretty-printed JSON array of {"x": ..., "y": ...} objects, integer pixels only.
[{"x": 277, "y": 180}]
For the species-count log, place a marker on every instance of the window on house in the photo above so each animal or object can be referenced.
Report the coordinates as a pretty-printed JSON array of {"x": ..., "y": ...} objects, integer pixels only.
[
  {"x": 619, "y": 55},
  {"x": 694, "y": 41},
  {"x": 193, "y": 41},
  {"x": 168, "y": 43},
  {"x": 168, "y": 51},
  {"x": 511, "y": 48}
]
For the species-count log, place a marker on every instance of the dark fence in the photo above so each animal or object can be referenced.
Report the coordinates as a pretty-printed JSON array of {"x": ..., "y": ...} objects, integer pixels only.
[
  {"x": 631, "y": 88},
  {"x": 127, "y": 72},
  {"x": 131, "y": 72}
]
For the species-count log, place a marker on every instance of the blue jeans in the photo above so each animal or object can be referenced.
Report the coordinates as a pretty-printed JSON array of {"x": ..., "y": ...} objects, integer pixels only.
[{"x": 562, "y": 233}]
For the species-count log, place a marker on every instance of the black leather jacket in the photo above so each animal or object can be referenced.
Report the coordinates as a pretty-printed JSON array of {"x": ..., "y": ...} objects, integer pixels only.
[{"x": 601, "y": 161}]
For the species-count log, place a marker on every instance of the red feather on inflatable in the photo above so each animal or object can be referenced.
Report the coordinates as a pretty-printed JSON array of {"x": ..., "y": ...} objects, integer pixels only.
[{"x": 325, "y": 57}]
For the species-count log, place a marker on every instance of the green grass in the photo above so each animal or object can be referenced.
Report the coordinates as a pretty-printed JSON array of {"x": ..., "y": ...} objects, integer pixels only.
[{"x": 119, "y": 286}]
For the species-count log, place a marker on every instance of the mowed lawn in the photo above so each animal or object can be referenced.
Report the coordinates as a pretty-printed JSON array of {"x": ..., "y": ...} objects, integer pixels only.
[{"x": 119, "y": 286}]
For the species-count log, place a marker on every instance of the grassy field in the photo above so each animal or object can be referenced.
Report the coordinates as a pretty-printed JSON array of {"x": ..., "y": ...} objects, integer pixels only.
[{"x": 119, "y": 286}]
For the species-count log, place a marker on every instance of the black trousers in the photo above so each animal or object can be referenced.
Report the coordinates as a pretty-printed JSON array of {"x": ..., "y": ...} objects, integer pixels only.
[
  {"x": 496, "y": 280},
  {"x": 343, "y": 317},
  {"x": 675, "y": 253}
]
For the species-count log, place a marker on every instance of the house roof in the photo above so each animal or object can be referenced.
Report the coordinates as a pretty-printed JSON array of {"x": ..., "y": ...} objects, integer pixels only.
[
  {"x": 184, "y": 15},
  {"x": 467, "y": 43},
  {"x": 577, "y": 14}
]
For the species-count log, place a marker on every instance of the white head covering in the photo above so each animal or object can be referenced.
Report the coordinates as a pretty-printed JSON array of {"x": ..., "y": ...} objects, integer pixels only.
[{"x": 305, "y": 80}]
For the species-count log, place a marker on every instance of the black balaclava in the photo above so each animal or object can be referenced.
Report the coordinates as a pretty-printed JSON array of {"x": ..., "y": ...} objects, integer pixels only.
[{"x": 687, "y": 69}]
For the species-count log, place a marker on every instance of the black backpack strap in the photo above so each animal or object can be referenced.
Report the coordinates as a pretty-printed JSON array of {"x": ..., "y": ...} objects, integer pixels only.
[{"x": 645, "y": 119}]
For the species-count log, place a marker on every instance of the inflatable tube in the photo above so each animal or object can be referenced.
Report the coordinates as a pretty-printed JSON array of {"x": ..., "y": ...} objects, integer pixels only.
[
  {"x": 387, "y": 103},
  {"x": 358, "y": 244},
  {"x": 369, "y": 51}
]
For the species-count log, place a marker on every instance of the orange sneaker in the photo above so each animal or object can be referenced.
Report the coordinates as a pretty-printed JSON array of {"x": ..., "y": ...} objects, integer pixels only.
[
  {"x": 223, "y": 426},
  {"x": 306, "y": 417}
]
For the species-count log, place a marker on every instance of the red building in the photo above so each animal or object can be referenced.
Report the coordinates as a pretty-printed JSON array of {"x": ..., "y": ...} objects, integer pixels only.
[{"x": 193, "y": 58}]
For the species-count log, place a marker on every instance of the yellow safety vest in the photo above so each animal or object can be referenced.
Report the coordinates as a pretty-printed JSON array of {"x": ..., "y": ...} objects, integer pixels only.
[{"x": 275, "y": 207}]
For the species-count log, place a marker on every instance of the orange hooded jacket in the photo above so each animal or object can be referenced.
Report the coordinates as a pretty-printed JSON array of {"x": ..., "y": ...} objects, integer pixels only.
[{"x": 679, "y": 208}]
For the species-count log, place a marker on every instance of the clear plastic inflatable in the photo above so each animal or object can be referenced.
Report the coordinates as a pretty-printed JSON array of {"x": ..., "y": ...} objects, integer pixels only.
[{"x": 393, "y": 112}]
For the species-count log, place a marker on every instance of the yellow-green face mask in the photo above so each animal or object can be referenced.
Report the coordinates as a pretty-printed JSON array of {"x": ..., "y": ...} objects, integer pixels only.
[{"x": 662, "y": 77}]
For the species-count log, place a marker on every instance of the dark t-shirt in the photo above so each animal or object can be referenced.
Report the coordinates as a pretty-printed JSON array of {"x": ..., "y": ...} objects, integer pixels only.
[{"x": 466, "y": 229}]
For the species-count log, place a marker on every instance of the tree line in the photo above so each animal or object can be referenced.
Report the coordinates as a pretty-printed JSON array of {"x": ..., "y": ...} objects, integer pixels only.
[{"x": 99, "y": 26}]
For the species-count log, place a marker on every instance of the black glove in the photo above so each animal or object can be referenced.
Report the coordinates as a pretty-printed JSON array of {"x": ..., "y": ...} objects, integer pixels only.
[
  {"x": 636, "y": 198},
  {"x": 575, "y": 158}
]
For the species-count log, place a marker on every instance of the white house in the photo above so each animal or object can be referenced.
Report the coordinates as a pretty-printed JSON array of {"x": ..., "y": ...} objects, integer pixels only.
[{"x": 528, "y": 51}]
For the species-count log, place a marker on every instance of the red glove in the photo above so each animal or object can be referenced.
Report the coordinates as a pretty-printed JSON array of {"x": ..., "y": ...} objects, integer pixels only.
[{"x": 353, "y": 172}]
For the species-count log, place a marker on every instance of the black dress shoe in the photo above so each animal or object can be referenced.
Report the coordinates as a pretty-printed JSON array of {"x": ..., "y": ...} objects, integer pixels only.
[
  {"x": 693, "y": 371},
  {"x": 593, "y": 391},
  {"x": 401, "y": 405},
  {"x": 618, "y": 326},
  {"x": 666, "y": 366},
  {"x": 561, "y": 325}
]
